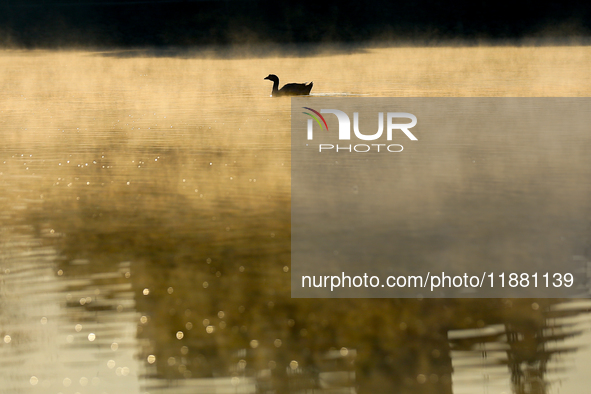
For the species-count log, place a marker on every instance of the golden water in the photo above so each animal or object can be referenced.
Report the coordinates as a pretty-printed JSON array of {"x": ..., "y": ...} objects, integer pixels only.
[{"x": 145, "y": 224}]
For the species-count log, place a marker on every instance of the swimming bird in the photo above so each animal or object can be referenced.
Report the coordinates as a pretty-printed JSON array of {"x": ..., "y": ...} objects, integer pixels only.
[{"x": 290, "y": 89}]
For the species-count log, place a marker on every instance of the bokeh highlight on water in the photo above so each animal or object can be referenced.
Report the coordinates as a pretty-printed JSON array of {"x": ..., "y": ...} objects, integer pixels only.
[{"x": 145, "y": 233}]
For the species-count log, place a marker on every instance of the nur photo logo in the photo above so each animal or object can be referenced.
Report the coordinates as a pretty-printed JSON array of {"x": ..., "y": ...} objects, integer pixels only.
[{"x": 344, "y": 130}]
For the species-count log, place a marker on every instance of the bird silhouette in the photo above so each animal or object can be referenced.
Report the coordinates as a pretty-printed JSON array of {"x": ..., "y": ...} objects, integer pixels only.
[{"x": 290, "y": 89}]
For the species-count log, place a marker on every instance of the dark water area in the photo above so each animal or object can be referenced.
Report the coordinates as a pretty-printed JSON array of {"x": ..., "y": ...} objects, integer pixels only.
[
  {"x": 95, "y": 23},
  {"x": 145, "y": 235}
]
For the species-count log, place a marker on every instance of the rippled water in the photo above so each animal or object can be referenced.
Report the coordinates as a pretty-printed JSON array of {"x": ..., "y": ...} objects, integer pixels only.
[{"x": 145, "y": 233}]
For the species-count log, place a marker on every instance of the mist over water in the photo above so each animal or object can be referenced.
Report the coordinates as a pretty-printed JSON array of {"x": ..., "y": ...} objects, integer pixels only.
[{"x": 145, "y": 232}]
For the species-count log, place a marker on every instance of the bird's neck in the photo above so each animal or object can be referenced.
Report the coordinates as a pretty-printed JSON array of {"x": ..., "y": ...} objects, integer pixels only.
[{"x": 275, "y": 87}]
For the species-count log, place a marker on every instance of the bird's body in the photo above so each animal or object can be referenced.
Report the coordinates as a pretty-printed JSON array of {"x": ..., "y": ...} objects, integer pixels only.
[{"x": 290, "y": 89}]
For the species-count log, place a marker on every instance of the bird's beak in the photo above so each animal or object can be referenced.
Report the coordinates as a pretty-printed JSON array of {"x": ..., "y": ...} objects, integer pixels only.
[{"x": 266, "y": 78}]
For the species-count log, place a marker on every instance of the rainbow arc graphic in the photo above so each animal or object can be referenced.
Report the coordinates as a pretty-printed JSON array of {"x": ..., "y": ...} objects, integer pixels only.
[{"x": 315, "y": 117}]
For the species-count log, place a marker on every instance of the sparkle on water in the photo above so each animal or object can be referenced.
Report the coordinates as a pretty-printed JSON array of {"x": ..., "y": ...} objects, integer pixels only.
[{"x": 143, "y": 195}]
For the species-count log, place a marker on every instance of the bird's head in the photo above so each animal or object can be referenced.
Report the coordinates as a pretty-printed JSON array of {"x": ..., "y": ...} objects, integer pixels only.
[{"x": 272, "y": 77}]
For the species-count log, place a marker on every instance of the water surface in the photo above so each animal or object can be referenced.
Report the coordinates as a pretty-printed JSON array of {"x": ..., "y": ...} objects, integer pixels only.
[{"x": 145, "y": 233}]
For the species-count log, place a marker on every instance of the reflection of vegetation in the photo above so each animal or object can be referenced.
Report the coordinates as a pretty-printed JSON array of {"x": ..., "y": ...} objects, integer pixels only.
[
  {"x": 182, "y": 206},
  {"x": 218, "y": 302},
  {"x": 529, "y": 342}
]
